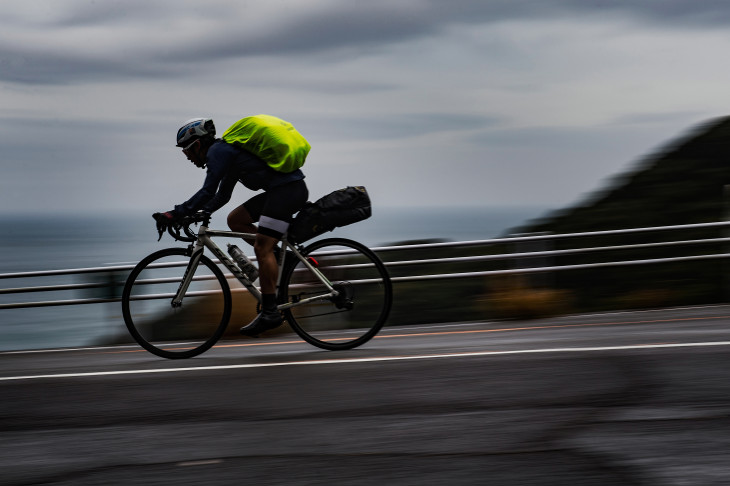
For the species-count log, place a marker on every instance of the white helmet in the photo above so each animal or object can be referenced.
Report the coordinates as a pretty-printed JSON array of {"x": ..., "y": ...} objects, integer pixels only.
[{"x": 195, "y": 129}]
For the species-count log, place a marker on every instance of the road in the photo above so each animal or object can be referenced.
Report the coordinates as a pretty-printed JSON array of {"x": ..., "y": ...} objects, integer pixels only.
[{"x": 635, "y": 398}]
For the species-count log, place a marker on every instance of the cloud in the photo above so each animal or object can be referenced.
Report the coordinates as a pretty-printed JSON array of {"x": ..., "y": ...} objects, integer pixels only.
[
  {"x": 61, "y": 42},
  {"x": 426, "y": 101},
  {"x": 404, "y": 125}
]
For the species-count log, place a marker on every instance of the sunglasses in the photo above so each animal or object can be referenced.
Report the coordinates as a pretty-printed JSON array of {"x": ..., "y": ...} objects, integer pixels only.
[{"x": 187, "y": 147}]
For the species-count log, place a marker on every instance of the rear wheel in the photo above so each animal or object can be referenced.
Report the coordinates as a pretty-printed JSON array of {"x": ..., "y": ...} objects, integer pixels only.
[
  {"x": 173, "y": 331},
  {"x": 363, "y": 300}
]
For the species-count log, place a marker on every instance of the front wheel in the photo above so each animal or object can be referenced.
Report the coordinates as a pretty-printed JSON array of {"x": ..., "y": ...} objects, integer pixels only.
[
  {"x": 363, "y": 300},
  {"x": 169, "y": 330}
]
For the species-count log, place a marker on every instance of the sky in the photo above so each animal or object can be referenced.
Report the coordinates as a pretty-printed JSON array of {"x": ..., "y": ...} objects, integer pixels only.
[{"x": 427, "y": 103}]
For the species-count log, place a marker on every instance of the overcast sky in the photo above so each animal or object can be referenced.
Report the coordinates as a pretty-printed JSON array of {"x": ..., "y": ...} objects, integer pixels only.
[{"x": 427, "y": 103}]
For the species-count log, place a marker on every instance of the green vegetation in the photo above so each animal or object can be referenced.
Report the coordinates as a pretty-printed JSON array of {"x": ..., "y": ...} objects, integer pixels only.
[{"x": 684, "y": 184}]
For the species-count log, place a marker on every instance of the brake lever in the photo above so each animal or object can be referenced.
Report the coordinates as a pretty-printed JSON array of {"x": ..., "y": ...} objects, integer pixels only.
[
  {"x": 161, "y": 227},
  {"x": 190, "y": 233},
  {"x": 174, "y": 230}
]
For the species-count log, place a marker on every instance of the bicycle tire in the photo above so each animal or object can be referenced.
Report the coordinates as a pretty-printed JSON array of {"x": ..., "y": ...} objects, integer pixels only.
[
  {"x": 167, "y": 331},
  {"x": 354, "y": 317}
]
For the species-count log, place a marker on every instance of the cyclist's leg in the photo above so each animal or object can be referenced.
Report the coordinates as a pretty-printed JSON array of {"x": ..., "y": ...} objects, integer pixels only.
[
  {"x": 269, "y": 317},
  {"x": 279, "y": 204},
  {"x": 268, "y": 266},
  {"x": 276, "y": 213},
  {"x": 270, "y": 210},
  {"x": 242, "y": 218}
]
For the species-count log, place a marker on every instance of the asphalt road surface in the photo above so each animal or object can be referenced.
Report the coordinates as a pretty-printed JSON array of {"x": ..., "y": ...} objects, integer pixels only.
[{"x": 639, "y": 398}]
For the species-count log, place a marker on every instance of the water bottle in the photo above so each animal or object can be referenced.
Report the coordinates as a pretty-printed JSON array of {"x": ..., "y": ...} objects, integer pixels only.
[{"x": 244, "y": 263}]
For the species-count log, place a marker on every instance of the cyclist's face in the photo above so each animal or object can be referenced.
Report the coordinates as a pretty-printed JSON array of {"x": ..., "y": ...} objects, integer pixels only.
[{"x": 194, "y": 154}]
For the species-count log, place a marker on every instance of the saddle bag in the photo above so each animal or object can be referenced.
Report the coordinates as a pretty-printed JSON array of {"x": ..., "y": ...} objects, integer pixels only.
[{"x": 336, "y": 209}]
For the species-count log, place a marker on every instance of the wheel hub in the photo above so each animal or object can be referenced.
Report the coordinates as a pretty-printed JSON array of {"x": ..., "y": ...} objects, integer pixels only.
[{"x": 345, "y": 294}]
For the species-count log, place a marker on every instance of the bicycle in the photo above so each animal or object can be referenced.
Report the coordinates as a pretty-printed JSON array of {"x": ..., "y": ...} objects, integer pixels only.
[{"x": 335, "y": 293}]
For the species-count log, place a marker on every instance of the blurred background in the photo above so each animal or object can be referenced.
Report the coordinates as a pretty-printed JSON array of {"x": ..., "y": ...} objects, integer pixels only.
[{"x": 466, "y": 120}]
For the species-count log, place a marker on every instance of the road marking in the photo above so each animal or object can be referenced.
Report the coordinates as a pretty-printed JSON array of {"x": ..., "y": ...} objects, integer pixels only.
[
  {"x": 66, "y": 350},
  {"x": 204, "y": 462},
  {"x": 403, "y": 332},
  {"x": 551, "y": 326},
  {"x": 363, "y": 360}
]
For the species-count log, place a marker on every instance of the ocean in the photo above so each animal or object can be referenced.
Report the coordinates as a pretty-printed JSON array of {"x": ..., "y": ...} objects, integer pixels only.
[{"x": 37, "y": 243}]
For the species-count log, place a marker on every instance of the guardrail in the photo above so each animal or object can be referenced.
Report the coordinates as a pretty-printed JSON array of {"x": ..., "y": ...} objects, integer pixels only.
[{"x": 114, "y": 276}]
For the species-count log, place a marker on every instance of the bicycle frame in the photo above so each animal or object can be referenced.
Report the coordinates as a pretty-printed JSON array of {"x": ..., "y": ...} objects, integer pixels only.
[{"x": 205, "y": 240}]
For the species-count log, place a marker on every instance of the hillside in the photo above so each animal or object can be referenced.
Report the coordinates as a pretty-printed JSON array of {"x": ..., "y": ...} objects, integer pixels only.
[{"x": 684, "y": 184}]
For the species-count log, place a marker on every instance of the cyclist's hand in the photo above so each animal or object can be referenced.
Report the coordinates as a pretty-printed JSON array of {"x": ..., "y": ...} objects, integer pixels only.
[{"x": 164, "y": 221}]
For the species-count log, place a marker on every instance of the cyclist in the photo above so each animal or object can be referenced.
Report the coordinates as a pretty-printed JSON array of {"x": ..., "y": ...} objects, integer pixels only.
[{"x": 226, "y": 164}]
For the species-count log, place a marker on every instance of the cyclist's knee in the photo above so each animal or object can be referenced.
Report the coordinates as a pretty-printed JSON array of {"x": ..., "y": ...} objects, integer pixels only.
[
  {"x": 240, "y": 222},
  {"x": 232, "y": 222}
]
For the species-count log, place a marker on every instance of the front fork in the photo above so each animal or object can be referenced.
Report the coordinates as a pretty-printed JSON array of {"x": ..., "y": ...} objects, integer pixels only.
[{"x": 197, "y": 252}]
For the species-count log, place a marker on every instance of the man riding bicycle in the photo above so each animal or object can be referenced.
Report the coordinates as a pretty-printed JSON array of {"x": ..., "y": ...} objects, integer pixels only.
[{"x": 227, "y": 164}]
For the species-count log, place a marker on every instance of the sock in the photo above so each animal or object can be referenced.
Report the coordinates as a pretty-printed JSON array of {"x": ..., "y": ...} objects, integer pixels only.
[{"x": 268, "y": 301}]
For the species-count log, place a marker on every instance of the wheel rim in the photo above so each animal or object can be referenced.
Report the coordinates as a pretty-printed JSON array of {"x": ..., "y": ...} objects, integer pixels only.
[
  {"x": 362, "y": 306},
  {"x": 175, "y": 332}
]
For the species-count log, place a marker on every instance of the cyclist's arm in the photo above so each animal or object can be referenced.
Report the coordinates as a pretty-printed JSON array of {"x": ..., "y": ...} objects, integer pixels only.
[
  {"x": 214, "y": 176},
  {"x": 225, "y": 190}
]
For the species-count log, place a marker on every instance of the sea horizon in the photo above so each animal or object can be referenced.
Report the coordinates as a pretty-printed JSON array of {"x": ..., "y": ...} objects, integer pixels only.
[{"x": 75, "y": 241}]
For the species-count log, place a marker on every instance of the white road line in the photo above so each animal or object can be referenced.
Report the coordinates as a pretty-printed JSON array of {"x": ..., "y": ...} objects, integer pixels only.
[
  {"x": 136, "y": 346},
  {"x": 447, "y": 325},
  {"x": 362, "y": 360},
  {"x": 66, "y": 350}
]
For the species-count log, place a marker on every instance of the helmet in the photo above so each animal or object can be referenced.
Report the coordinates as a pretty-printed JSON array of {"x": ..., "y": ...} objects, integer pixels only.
[{"x": 195, "y": 129}]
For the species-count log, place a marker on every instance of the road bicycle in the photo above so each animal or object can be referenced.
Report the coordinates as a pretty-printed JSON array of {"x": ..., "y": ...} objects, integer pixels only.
[{"x": 335, "y": 293}]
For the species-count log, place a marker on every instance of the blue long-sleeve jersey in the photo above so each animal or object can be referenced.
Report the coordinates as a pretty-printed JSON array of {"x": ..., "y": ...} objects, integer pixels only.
[{"x": 227, "y": 165}]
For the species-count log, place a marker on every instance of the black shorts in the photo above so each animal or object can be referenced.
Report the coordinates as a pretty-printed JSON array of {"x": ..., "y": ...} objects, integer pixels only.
[{"x": 274, "y": 209}]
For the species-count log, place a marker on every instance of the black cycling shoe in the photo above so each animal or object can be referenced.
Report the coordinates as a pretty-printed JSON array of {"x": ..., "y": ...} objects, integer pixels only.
[{"x": 265, "y": 321}]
